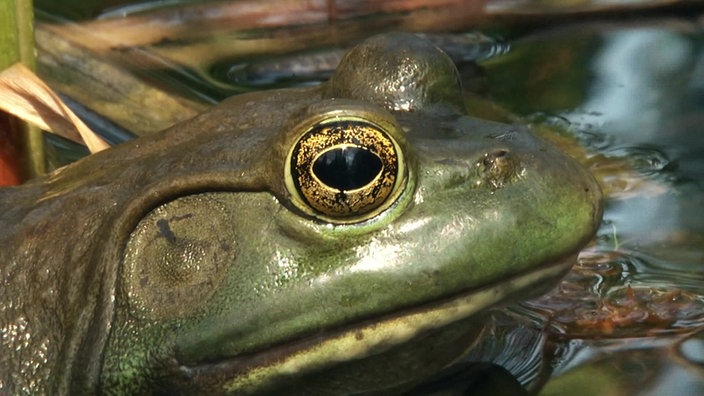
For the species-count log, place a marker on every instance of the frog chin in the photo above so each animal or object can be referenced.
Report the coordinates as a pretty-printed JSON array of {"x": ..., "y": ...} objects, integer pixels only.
[{"x": 424, "y": 338}]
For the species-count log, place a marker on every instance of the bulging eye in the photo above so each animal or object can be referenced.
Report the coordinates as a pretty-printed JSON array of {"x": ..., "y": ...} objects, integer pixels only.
[{"x": 346, "y": 168}]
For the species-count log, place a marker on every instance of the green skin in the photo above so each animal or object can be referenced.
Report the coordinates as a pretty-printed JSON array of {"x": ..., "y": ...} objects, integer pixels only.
[{"x": 179, "y": 263}]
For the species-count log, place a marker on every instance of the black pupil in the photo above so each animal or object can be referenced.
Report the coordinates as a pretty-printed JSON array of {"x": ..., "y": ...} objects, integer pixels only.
[{"x": 347, "y": 168}]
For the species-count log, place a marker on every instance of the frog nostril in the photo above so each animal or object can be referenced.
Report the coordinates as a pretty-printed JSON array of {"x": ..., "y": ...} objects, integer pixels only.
[
  {"x": 499, "y": 167},
  {"x": 493, "y": 157}
]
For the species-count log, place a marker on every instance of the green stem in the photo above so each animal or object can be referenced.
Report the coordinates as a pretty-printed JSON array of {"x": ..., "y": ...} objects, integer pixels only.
[{"x": 17, "y": 45}]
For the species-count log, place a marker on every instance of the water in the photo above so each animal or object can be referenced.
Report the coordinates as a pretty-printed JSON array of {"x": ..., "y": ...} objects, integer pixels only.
[
  {"x": 628, "y": 318},
  {"x": 630, "y": 313}
]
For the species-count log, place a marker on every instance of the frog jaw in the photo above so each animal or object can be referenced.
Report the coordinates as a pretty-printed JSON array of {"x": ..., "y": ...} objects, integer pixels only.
[{"x": 249, "y": 374}]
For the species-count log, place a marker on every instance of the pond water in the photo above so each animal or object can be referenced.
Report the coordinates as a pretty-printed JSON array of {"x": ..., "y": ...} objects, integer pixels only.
[{"x": 627, "y": 319}]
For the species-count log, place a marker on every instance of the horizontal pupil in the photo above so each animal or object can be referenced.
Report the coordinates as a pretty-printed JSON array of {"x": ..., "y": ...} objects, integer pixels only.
[{"x": 347, "y": 168}]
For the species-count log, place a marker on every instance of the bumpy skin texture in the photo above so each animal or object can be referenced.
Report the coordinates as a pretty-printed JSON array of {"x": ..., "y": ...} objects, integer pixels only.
[{"x": 173, "y": 263}]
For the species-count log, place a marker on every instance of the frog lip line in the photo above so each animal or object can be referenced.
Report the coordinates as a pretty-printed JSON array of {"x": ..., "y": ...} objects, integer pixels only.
[{"x": 346, "y": 344}]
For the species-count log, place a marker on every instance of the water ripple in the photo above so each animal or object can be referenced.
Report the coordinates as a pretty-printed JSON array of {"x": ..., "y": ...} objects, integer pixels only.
[{"x": 613, "y": 294}]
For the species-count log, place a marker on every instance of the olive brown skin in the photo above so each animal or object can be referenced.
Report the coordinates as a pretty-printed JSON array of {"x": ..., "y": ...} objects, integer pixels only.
[{"x": 215, "y": 258}]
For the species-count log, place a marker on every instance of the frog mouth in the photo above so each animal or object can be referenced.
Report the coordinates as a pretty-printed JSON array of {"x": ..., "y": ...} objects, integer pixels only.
[{"x": 248, "y": 373}]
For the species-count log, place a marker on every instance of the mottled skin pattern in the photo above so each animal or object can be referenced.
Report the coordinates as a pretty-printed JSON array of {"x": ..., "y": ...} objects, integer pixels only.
[{"x": 177, "y": 263}]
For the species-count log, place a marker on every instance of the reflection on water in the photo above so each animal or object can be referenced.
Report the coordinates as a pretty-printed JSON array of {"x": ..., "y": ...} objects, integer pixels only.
[
  {"x": 636, "y": 83},
  {"x": 623, "y": 310}
]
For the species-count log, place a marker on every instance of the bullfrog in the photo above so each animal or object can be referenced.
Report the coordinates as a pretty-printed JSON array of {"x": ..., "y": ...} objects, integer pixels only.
[{"x": 338, "y": 239}]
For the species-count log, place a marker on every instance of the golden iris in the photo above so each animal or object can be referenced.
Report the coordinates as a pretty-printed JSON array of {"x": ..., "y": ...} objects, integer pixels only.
[{"x": 345, "y": 169}]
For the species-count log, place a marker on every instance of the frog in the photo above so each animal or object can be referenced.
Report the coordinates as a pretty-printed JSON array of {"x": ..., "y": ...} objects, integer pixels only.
[{"x": 347, "y": 238}]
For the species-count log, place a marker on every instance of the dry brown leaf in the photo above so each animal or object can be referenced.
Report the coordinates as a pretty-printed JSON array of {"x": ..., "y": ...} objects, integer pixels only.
[{"x": 25, "y": 95}]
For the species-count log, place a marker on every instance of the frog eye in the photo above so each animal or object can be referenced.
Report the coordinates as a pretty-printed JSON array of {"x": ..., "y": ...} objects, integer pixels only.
[{"x": 345, "y": 169}]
